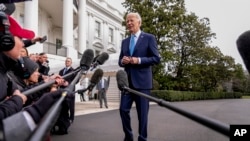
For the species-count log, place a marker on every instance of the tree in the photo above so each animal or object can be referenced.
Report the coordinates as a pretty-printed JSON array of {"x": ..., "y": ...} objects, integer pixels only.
[{"x": 188, "y": 61}]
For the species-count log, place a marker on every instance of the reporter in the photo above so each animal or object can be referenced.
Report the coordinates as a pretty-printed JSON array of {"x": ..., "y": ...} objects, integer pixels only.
[
  {"x": 29, "y": 118},
  {"x": 25, "y": 74},
  {"x": 40, "y": 108},
  {"x": 12, "y": 99},
  {"x": 43, "y": 64}
]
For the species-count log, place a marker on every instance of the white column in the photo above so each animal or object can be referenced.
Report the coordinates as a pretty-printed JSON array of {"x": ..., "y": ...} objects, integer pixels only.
[
  {"x": 31, "y": 22},
  {"x": 68, "y": 28},
  {"x": 105, "y": 36},
  {"x": 117, "y": 39},
  {"x": 91, "y": 31},
  {"x": 82, "y": 20}
]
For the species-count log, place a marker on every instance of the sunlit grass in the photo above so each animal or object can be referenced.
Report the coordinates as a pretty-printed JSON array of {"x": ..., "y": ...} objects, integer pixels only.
[{"x": 245, "y": 97}]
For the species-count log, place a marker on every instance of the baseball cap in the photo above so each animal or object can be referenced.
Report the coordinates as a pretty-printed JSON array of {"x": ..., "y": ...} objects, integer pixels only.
[{"x": 17, "y": 30}]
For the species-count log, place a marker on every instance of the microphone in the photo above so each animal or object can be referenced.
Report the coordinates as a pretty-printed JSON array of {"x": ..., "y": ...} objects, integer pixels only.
[
  {"x": 243, "y": 45},
  {"x": 96, "y": 77},
  {"x": 122, "y": 79},
  {"x": 87, "y": 59},
  {"x": 99, "y": 60}
]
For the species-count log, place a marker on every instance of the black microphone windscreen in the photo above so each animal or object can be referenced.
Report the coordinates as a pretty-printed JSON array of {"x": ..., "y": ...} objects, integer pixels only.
[
  {"x": 97, "y": 76},
  {"x": 102, "y": 58},
  {"x": 122, "y": 79},
  {"x": 243, "y": 45},
  {"x": 87, "y": 59}
]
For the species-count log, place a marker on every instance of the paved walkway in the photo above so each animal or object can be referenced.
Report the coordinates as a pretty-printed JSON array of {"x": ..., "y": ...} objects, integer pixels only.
[
  {"x": 93, "y": 124},
  {"x": 89, "y": 107}
]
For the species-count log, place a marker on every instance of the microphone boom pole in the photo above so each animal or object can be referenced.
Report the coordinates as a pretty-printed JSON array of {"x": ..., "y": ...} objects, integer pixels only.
[
  {"x": 49, "y": 117},
  {"x": 47, "y": 84},
  {"x": 213, "y": 124}
]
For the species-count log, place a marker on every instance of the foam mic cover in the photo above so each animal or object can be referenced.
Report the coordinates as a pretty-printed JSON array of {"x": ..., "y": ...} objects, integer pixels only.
[
  {"x": 243, "y": 45},
  {"x": 8, "y": 8},
  {"x": 122, "y": 79},
  {"x": 102, "y": 58},
  {"x": 87, "y": 59},
  {"x": 97, "y": 76}
]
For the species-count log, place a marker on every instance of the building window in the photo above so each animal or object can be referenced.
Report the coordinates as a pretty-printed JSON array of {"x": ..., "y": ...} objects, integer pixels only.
[
  {"x": 97, "y": 29},
  {"x": 58, "y": 43},
  {"x": 111, "y": 35}
]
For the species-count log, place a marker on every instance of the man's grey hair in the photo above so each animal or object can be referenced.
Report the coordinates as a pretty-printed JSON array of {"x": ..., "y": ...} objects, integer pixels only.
[{"x": 138, "y": 16}]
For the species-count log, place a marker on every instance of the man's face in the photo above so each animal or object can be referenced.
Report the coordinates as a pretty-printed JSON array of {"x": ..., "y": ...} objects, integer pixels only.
[
  {"x": 43, "y": 58},
  {"x": 34, "y": 76},
  {"x": 15, "y": 52},
  {"x": 133, "y": 23},
  {"x": 68, "y": 62},
  {"x": 23, "y": 52}
]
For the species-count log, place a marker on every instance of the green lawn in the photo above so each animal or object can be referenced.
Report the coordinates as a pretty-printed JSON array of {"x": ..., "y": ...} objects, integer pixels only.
[{"x": 245, "y": 97}]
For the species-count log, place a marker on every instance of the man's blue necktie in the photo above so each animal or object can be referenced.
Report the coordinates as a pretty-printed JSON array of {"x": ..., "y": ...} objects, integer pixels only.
[
  {"x": 132, "y": 44},
  {"x": 65, "y": 70}
]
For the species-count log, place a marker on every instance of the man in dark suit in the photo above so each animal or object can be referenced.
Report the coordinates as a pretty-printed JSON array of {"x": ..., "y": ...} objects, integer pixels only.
[
  {"x": 138, "y": 53},
  {"x": 66, "y": 116},
  {"x": 67, "y": 69}
]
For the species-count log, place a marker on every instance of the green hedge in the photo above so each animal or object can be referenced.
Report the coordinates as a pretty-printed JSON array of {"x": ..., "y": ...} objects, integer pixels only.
[{"x": 185, "y": 95}]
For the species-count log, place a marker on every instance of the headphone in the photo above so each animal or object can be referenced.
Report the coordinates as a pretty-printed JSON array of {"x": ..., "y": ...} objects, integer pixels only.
[
  {"x": 7, "y": 41},
  {"x": 20, "y": 70},
  {"x": 24, "y": 73}
]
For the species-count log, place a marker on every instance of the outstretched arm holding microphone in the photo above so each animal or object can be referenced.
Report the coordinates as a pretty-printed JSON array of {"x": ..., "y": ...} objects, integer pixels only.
[{"x": 41, "y": 112}]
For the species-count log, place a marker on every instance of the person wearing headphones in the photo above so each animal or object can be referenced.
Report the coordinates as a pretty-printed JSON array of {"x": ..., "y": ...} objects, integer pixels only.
[{"x": 12, "y": 100}]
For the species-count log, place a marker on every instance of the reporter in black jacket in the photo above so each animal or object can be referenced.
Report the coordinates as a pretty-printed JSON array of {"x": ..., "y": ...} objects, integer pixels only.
[{"x": 11, "y": 98}]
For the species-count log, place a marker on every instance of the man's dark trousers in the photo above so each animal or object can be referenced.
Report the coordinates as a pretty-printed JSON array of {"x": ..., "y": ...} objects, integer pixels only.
[{"x": 142, "y": 107}]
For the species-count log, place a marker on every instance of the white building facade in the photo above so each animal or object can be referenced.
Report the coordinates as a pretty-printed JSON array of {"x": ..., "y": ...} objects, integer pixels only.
[{"x": 71, "y": 27}]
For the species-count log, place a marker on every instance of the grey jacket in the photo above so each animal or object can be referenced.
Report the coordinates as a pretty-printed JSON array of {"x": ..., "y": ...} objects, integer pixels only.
[{"x": 99, "y": 85}]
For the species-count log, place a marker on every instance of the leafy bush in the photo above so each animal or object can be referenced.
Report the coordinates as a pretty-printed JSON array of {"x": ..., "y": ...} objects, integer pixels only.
[{"x": 186, "y": 95}]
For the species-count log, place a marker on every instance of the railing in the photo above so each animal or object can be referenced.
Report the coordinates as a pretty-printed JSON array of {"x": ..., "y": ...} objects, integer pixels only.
[{"x": 52, "y": 48}]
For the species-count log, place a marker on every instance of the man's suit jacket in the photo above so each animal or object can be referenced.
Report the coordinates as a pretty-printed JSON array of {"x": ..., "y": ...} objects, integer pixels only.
[
  {"x": 69, "y": 79},
  {"x": 146, "y": 49},
  {"x": 99, "y": 85}
]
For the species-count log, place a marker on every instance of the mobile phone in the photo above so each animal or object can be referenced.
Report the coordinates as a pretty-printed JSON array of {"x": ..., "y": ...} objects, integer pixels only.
[{"x": 44, "y": 38}]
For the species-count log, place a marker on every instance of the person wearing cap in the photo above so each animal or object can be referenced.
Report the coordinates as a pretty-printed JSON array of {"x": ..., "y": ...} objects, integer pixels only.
[
  {"x": 11, "y": 98},
  {"x": 9, "y": 55}
]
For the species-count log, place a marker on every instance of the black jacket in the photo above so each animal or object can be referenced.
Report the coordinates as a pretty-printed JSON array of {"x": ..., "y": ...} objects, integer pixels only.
[
  {"x": 14, "y": 104},
  {"x": 70, "y": 78},
  {"x": 43, "y": 69}
]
